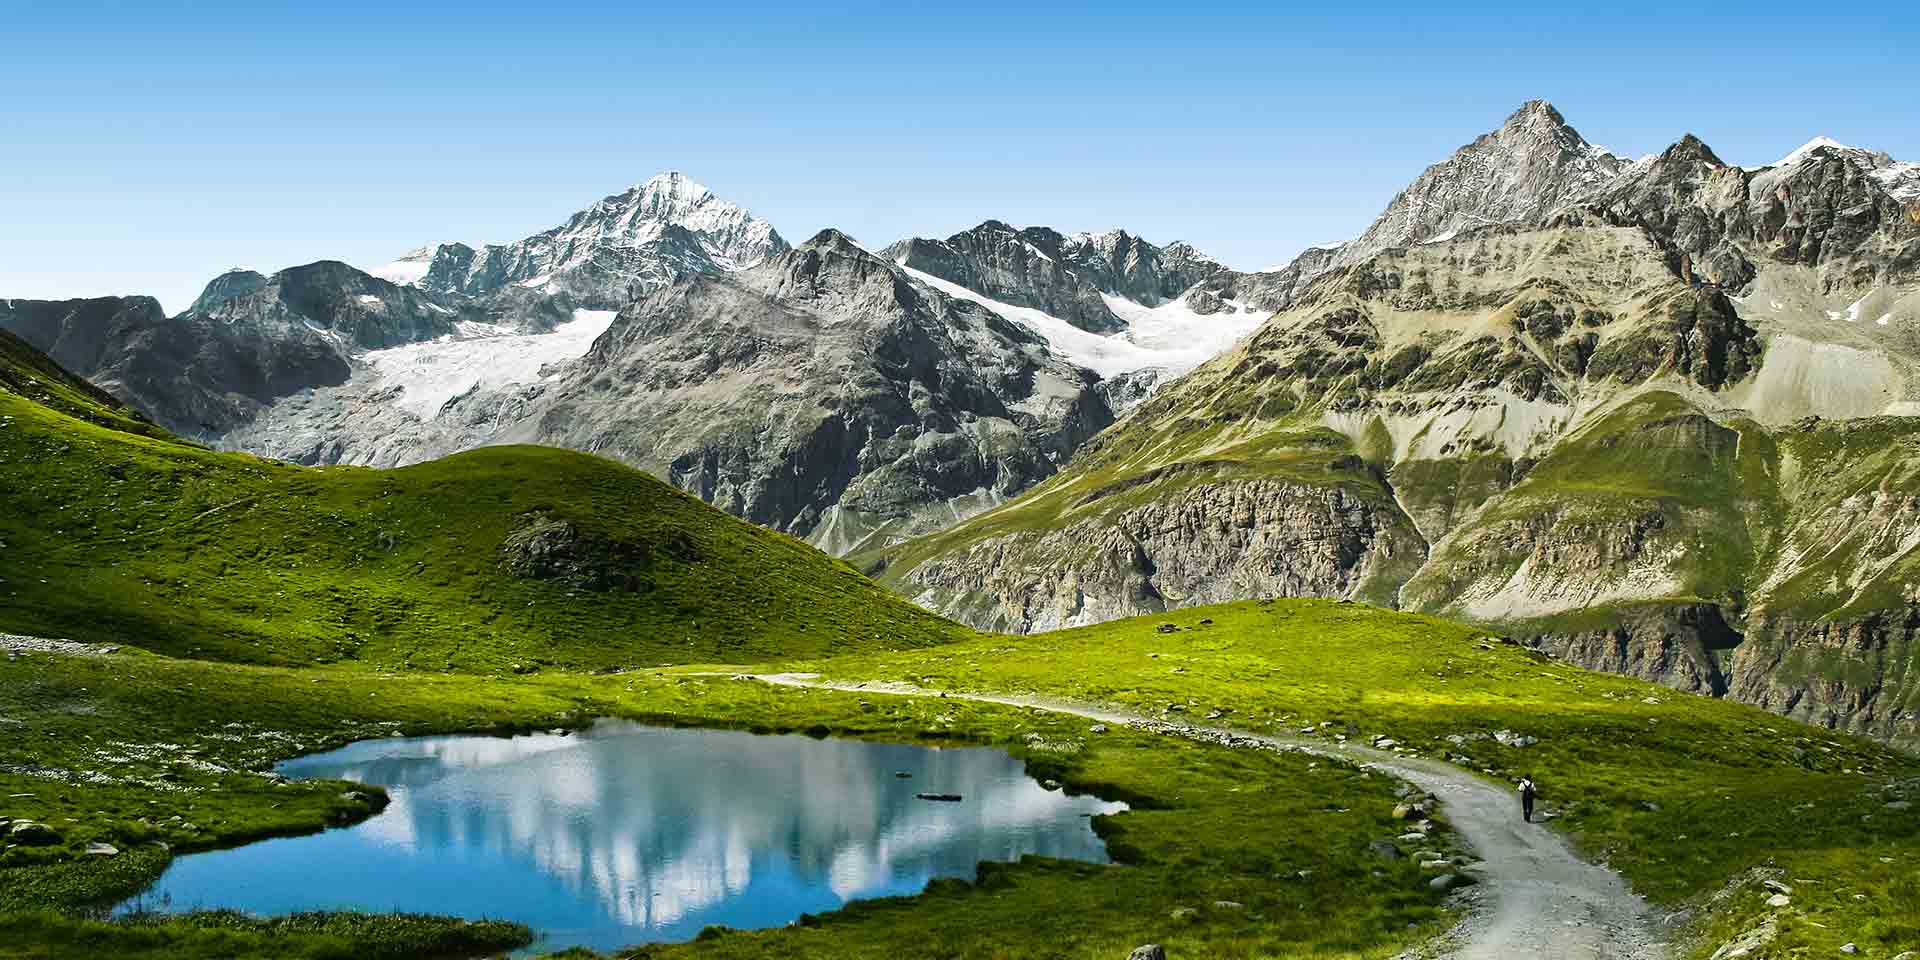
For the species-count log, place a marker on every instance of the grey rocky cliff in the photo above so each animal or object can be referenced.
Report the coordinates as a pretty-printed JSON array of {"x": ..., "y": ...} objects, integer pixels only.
[
  {"x": 1677, "y": 645},
  {"x": 1206, "y": 543},
  {"x": 1518, "y": 174}
]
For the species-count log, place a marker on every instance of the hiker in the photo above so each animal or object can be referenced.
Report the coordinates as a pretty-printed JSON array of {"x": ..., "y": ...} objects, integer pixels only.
[{"x": 1526, "y": 799}]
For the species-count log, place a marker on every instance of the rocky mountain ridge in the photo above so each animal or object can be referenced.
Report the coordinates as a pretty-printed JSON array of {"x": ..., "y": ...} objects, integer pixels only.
[
  {"x": 1067, "y": 276},
  {"x": 247, "y": 341}
]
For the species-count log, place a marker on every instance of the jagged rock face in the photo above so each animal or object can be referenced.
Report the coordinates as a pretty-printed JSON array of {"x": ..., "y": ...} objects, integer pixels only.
[
  {"x": 1519, "y": 173},
  {"x": 1061, "y": 275},
  {"x": 824, "y": 393},
  {"x": 247, "y": 341},
  {"x": 1827, "y": 208},
  {"x": 1268, "y": 289},
  {"x": 1206, "y": 543},
  {"x": 80, "y": 334},
  {"x": 1673, "y": 645},
  {"x": 331, "y": 300},
  {"x": 608, "y": 254},
  {"x": 1850, "y": 674}
]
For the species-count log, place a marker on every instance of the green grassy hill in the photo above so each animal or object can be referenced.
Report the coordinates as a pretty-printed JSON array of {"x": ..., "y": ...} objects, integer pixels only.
[{"x": 116, "y": 532}]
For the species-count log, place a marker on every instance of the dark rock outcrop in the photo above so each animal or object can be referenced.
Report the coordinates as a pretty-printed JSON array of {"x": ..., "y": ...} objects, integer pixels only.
[{"x": 1062, "y": 275}]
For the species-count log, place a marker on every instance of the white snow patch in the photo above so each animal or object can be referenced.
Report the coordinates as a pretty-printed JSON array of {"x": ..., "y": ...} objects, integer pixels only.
[
  {"x": 1171, "y": 336},
  {"x": 533, "y": 282},
  {"x": 406, "y": 271},
  {"x": 430, "y": 374},
  {"x": 1885, "y": 318},
  {"x": 1800, "y": 153},
  {"x": 1443, "y": 238},
  {"x": 369, "y": 299},
  {"x": 1902, "y": 179},
  {"x": 1853, "y": 312}
]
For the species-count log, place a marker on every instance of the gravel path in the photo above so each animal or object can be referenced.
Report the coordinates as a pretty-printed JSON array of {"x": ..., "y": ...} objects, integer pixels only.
[
  {"x": 1536, "y": 899},
  {"x": 14, "y": 643}
]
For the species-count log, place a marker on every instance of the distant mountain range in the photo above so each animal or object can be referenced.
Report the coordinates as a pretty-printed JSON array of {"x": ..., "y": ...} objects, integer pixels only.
[{"x": 1656, "y": 415}]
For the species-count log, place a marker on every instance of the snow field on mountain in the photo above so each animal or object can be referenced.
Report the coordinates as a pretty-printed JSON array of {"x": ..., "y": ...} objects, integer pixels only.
[
  {"x": 432, "y": 373},
  {"x": 1170, "y": 337}
]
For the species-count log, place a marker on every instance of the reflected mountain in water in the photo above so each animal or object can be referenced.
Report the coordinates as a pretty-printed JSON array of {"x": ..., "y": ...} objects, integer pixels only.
[{"x": 626, "y": 833}]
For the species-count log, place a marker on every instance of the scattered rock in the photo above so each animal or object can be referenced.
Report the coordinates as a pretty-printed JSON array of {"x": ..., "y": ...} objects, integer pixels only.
[
  {"x": 1776, "y": 886},
  {"x": 1849, "y": 948},
  {"x": 902, "y": 775},
  {"x": 1402, "y": 811},
  {"x": 1184, "y": 913},
  {"x": 1102, "y": 728},
  {"x": 1900, "y": 805},
  {"x": 1449, "y": 881},
  {"x": 1228, "y": 905},
  {"x": 1385, "y": 850},
  {"x": 941, "y": 797},
  {"x": 1779, "y": 900},
  {"x": 1414, "y": 837},
  {"x": 1151, "y": 951},
  {"x": 1166, "y": 628},
  {"x": 102, "y": 850},
  {"x": 1050, "y": 784},
  {"x": 30, "y": 834}
]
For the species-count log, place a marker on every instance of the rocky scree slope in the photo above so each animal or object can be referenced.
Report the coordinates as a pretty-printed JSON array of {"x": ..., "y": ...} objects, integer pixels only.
[
  {"x": 824, "y": 392},
  {"x": 1662, "y": 432}
]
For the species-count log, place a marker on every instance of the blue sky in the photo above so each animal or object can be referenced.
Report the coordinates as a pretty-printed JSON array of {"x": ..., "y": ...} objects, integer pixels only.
[{"x": 145, "y": 147}]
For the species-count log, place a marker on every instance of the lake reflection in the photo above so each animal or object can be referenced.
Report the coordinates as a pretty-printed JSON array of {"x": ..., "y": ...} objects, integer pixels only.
[{"x": 627, "y": 833}]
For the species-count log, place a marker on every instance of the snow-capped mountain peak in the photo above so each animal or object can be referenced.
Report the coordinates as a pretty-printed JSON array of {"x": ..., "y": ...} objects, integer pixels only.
[
  {"x": 621, "y": 246},
  {"x": 1801, "y": 152},
  {"x": 1534, "y": 162}
]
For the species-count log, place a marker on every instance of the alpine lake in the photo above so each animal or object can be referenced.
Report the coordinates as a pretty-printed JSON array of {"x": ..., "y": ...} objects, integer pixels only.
[{"x": 623, "y": 833}]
